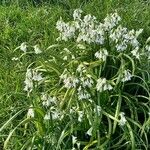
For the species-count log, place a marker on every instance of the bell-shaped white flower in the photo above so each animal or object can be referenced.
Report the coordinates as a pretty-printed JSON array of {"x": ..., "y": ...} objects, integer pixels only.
[
  {"x": 89, "y": 132},
  {"x": 30, "y": 113},
  {"x": 122, "y": 120},
  {"x": 23, "y": 47},
  {"x": 37, "y": 50},
  {"x": 126, "y": 75}
]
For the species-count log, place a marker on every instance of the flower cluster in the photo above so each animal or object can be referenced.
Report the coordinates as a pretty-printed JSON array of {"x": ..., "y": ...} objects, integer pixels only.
[
  {"x": 47, "y": 100},
  {"x": 23, "y": 47},
  {"x": 124, "y": 38},
  {"x": 31, "y": 76},
  {"x": 88, "y": 29},
  {"x": 93, "y": 67},
  {"x": 50, "y": 104},
  {"x": 70, "y": 81},
  {"x": 81, "y": 82},
  {"x": 126, "y": 75}
]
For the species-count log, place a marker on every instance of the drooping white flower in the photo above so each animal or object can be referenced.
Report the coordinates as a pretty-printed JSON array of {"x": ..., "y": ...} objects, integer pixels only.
[
  {"x": 74, "y": 140},
  {"x": 47, "y": 116},
  {"x": 126, "y": 75},
  {"x": 81, "y": 46},
  {"x": 80, "y": 116},
  {"x": 23, "y": 47},
  {"x": 81, "y": 69},
  {"x": 102, "y": 54},
  {"x": 121, "y": 46},
  {"x": 137, "y": 33},
  {"x": 100, "y": 83},
  {"x": 47, "y": 100},
  {"x": 65, "y": 58},
  {"x": 111, "y": 21},
  {"x": 103, "y": 85},
  {"x": 28, "y": 81},
  {"x": 122, "y": 120},
  {"x": 89, "y": 132},
  {"x": 56, "y": 115},
  {"x": 136, "y": 53},
  {"x": 37, "y": 50},
  {"x": 147, "y": 47},
  {"x": 37, "y": 76},
  {"x": 70, "y": 81},
  {"x": 87, "y": 82},
  {"x": 31, "y": 75},
  {"x": 83, "y": 94},
  {"x": 77, "y": 14},
  {"x": 67, "y": 30},
  {"x": 30, "y": 113}
]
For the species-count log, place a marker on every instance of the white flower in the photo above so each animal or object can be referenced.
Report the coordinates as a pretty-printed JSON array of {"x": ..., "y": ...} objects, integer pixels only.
[
  {"x": 77, "y": 14},
  {"x": 134, "y": 42},
  {"x": 69, "y": 80},
  {"x": 47, "y": 116},
  {"x": 15, "y": 58},
  {"x": 147, "y": 48},
  {"x": 67, "y": 50},
  {"x": 87, "y": 83},
  {"x": 55, "y": 115},
  {"x": 30, "y": 113},
  {"x": 72, "y": 57},
  {"x": 138, "y": 32},
  {"x": 28, "y": 85},
  {"x": 23, "y": 47},
  {"x": 126, "y": 75},
  {"x": 67, "y": 30},
  {"x": 31, "y": 75},
  {"x": 81, "y": 68},
  {"x": 102, "y": 54},
  {"x": 81, "y": 46},
  {"x": 28, "y": 81},
  {"x": 80, "y": 116},
  {"x": 103, "y": 85},
  {"x": 37, "y": 49},
  {"x": 65, "y": 58},
  {"x": 100, "y": 83},
  {"x": 122, "y": 120},
  {"x": 37, "y": 76},
  {"x": 121, "y": 46},
  {"x": 136, "y": 53},
  {"x": 89, "y": 132},
  {"x": 83, "y": 94},
  {"x": 60, "y": 25},
  {"x": 74, "y": 140},
  {"x": 111, "y": 21},
  {"x": 48, "y": 100}
]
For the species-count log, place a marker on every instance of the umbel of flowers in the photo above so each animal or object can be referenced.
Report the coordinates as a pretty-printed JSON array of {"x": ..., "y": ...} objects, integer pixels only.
[{"x": 94, "y": 67}]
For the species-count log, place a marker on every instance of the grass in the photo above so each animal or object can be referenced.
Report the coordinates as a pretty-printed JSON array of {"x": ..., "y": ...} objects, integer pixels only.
[{"x": 35, "y": 23}]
